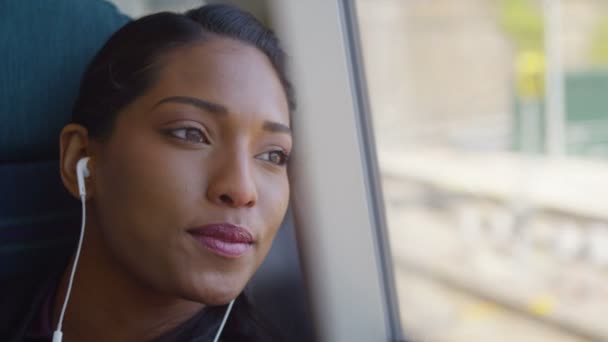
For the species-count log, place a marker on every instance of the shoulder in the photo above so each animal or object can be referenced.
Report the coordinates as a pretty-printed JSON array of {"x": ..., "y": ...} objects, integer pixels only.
[
  {"x": 17, "y": 304},
  {"x": 20, "y": 297}
]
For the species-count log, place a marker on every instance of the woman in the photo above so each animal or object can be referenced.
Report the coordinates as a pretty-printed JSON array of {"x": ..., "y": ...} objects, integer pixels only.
[{"x": 185, "y": 119}]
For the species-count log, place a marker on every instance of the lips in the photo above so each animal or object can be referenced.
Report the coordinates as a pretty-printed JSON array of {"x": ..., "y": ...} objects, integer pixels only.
[{"x": 224, "y": 239}]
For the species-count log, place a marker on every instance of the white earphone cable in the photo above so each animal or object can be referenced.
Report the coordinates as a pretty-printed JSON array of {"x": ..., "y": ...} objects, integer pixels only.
[
  {"x": 58, "y": 335},
  {"x": 219, "y": 331}
]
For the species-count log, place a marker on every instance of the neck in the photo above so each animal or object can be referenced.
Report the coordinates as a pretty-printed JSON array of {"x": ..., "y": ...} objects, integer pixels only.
[{"x": 107, "y": 303}]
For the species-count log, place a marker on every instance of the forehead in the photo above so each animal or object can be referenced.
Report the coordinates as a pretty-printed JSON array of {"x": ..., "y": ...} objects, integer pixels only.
[{"x": 224, "y": 71}]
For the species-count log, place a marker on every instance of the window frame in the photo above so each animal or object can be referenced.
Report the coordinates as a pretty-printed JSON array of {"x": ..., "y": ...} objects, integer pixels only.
[{"x": 336, "y": 193}]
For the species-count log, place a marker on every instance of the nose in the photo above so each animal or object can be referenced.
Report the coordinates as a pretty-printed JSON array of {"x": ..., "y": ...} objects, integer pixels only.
[{"x": 232, "y": 183}]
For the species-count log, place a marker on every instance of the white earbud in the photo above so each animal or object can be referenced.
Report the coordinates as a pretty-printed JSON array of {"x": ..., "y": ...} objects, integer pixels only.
[{"x": 82, "y": 171}]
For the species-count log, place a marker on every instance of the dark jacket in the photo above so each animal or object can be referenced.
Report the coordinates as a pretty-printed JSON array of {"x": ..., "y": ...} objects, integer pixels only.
[{"x": 24, "y": 294}]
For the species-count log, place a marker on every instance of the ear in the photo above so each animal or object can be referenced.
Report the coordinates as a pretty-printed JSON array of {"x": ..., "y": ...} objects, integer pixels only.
[{"x": 74, "y": 144}]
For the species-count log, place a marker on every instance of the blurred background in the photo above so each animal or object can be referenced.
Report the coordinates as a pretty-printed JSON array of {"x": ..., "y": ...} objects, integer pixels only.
[
  {"x": 492, "y": 136},
  {"x": 491, "y": 125}
]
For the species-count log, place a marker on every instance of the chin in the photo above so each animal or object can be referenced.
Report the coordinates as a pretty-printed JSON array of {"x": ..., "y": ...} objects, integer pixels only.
[
  {"x": 217, "y": 291},
  {"x": 220, "y": 297},
  {"x": 221, "y": 300}
]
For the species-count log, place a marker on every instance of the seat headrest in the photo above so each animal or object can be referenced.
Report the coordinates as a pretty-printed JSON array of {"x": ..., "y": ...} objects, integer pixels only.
[{"x": 46, "y": 46}]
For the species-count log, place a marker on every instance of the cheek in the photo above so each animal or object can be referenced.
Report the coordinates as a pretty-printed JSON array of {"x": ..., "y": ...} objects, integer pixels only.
[
  {"x": 143, "y": 193},
  {"x": 275, "y": 199}
]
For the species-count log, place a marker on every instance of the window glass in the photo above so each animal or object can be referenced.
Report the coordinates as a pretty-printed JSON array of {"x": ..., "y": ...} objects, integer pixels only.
[{"x": 491, "y": 126}]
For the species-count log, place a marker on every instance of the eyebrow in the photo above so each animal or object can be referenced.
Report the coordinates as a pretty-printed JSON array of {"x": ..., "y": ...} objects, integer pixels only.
[
  {"x": 276, "y": 127},
  {"x": 215, "y": 108},
  {"x": 202, "y": 104}
]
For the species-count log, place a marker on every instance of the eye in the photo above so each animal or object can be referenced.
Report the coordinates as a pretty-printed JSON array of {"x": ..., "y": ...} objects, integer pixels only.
[
  {"x": 189, "y": 134},
  {"x": 276, "y": 157}
]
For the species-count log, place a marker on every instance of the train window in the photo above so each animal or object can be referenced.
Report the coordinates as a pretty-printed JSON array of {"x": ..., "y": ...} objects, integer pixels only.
[{"x": 491, "y": 134}]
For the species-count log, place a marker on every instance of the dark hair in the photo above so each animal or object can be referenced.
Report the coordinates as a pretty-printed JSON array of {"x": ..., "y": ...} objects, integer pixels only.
[{"x": 127, "y": 65}]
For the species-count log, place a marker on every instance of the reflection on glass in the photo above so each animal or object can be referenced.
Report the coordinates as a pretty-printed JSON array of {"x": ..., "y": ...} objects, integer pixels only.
[{"x": 496, "y": 234}]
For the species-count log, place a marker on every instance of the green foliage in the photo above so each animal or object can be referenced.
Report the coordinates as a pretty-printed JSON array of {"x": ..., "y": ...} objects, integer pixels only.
[
  {"x": 599, "y": 43},
  {"x": 523, "y": 22}
]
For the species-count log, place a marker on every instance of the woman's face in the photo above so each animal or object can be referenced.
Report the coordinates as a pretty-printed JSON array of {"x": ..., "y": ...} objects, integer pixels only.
[{"x": 205, "y": 145}]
